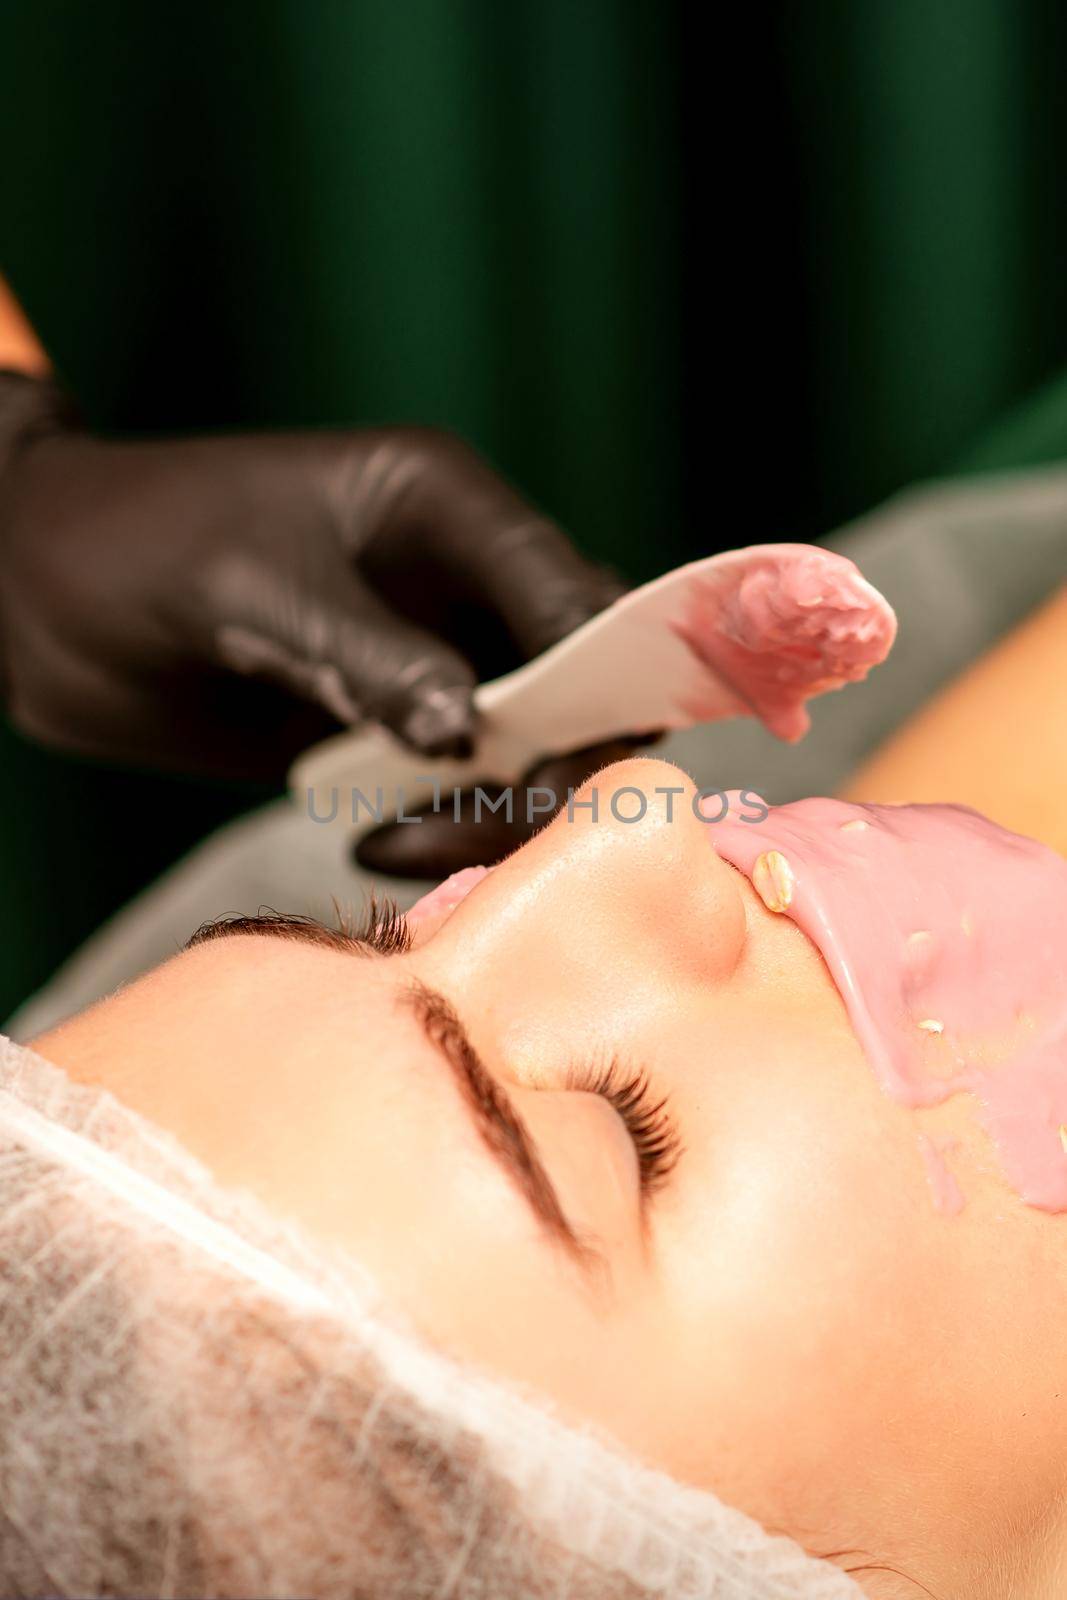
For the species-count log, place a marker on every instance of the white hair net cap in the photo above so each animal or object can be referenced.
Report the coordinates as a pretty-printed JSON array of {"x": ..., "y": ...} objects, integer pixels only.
[{"x": 196, "y": 1400}]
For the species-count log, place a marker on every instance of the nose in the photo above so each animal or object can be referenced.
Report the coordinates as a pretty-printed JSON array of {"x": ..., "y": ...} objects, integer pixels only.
[{"x": 621, "y": 902}]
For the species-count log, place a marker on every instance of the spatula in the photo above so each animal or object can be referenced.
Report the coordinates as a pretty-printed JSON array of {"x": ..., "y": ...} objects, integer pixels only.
[{"x": 751, "y": 632}]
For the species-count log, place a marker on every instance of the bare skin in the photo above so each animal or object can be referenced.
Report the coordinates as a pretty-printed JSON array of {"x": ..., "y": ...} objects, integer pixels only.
[
  {"x": 890, "y": 1372},
  {"x": 785, "y": 1319},
  {"x": 20, "y": 348}
]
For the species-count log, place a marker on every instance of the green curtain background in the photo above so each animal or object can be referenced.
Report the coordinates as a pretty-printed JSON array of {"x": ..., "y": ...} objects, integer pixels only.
[
  {"x": 688, "y": 288},
  {"x": 930, "y": 135}
]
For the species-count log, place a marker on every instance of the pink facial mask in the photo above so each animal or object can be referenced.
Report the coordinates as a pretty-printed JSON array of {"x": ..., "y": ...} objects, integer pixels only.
[
  {"x": 446, "y": 897},
  {"x": 943, "y": 932}
]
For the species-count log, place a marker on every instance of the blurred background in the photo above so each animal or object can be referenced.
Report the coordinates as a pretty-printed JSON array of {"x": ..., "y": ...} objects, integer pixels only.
[{"x": 689, "y": 285}]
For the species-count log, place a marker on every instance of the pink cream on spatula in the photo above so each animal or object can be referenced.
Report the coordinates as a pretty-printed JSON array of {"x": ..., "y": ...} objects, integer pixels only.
[
  {"x": 947, "y": 938},
  {"x": 755, "y": 632},
  {"x": 790, "y": 623}
]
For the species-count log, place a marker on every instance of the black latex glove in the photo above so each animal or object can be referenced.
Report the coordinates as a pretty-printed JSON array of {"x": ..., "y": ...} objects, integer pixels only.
[{"x": 217, "y": 604}]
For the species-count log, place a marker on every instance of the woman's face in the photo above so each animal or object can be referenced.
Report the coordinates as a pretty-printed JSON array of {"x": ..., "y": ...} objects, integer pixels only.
[{"x": 778, "y": 1312}]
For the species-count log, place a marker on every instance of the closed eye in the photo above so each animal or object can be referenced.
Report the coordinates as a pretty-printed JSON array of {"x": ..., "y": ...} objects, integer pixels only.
[
  {"x": 384, "y": 930},
  {"x": 648, "y": 1121}
]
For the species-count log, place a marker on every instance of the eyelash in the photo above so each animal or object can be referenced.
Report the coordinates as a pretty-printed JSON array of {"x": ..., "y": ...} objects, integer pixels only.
[
  {"x": 385, "y": 930},
  {"x": 647, "y": 1119},
  {"x": 384, "y": 927}
]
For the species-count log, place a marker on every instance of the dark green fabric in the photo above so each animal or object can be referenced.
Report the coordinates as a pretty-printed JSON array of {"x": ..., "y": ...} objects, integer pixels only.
[
  {"x": 282, "y": 212},
  {"x": 929, "y": 145},
  {"x": 690, "y": 285},
  {"x": 1032, "y": 434}
]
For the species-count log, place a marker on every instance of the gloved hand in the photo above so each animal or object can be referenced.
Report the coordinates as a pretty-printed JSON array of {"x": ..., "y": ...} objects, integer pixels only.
[{"x": 217, "y": 604}]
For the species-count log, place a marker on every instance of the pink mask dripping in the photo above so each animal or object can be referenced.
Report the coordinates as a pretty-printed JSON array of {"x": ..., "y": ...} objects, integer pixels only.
[{"x": 941, "y": 931}]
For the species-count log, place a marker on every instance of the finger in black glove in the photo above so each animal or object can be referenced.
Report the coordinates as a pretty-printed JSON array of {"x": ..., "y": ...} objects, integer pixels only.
[{"x": 218, "y": 604}]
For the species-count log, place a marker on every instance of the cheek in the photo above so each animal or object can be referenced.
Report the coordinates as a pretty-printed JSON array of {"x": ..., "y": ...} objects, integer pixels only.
[
  {"x": 402, "y": 1182},
  {"x": 797, "y": 1253}
]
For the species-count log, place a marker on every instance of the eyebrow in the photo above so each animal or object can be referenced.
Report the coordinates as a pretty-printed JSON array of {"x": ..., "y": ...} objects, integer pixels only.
[
  {"x": 499, "y": 1124},
  {"x": 492, "y": 1111}
]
